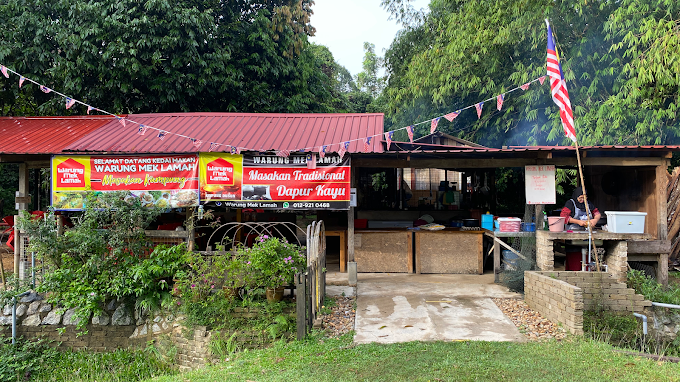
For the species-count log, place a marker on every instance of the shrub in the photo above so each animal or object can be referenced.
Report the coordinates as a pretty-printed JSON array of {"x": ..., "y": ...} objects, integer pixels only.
[
  {"x": 23, "y": 359},
  {"x": 651, "y": 289},
  {"x": 274, "y": 261}
]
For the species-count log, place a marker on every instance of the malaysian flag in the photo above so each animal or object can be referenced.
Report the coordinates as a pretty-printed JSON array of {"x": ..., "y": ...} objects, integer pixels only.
[
  {"x": 367, "y": 144},
  {"x": 558, "y": 87},
  {"x": 322, "y": 151},
  {"x": 21, "y": 80},
  {"x": 525, "y": 86},
  {"x": 70, "y": 102},
  {"x": 343, "y": 149},
  {"x": 162, "y": 134},
  {"x": 541, "y": 80},
  {"x": 45, "y": 89},
  {"x": 283, "y": 153},
  {"x": 121, "y": 120},
  {"x": 90, "y": 108},
  {"x": 452, "y": 116},
  {"x": 197, "y": 143},
  {"x": 433, "y": 124},
  {"x": 499, "y": 101},
  {"x": 213, "y": 147},
  {"x": 311, "y": 161},
  {"x": 234, "y": 149},
  {"x": 409, "y": 131},
  {"x": 4, "y": 71},
  {"x": 141, "y": 130},
  {"x": 388, "y": 138},
  {"x": 479, "y": 109}
]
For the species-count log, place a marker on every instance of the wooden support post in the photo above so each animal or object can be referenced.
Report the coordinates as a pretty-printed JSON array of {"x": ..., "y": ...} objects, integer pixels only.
[
  {"x": 300, "y": 305},
  {"x": 662, "y": 201},
  {"x": 23, "y": 192},
  {"x": 496, "y": 261}
]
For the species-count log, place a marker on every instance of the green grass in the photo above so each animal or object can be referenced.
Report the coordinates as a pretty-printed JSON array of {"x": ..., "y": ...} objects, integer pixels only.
[
  {"x": 120, "y": 365},
  {"x": 575, "y": 359}
]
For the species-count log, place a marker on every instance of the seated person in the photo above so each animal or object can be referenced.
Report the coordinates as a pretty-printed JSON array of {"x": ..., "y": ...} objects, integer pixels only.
[{"x": 574, "y": 212}]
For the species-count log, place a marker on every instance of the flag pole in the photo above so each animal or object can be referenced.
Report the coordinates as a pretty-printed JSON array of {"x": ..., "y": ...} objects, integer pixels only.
[{"x": 591, "y": 242}]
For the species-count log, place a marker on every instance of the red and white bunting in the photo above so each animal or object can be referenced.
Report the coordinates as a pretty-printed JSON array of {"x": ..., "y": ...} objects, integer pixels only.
[
  {"x": 433, "y": 125},
  {"x": 479, "y": 109},
  {"x": 499, "y": 101},
  {"x": 3, "y": 69},
  {"x": 283, "y": 153},
  {"x": 409, "y": 131},
  {"x": 541, "y": 80},
  {"x": 70, "y": 102},
  {"x": 452, "y": 116},
  {"x": 525, "y": 86}
]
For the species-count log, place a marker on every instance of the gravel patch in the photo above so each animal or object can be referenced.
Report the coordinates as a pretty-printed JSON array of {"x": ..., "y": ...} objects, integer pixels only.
[
  {"x": 529, "y": 322},
  {"x": 341, "y": 320}
]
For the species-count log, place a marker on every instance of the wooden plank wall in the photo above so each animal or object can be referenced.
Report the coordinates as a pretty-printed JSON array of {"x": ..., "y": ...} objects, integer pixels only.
[{"x": 673, "y": 216}]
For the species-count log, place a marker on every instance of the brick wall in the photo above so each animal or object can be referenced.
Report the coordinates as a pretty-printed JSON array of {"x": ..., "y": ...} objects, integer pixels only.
[
  {"x": 98, "y": 338},
  {"x": 562, "y": 296},
  {"x": 193, "y": 350},
  {"x": 617, "y": 259},
  {"x": 545, "y": 255}
]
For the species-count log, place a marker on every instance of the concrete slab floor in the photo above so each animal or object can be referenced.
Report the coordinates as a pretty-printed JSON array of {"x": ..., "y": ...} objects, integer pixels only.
[{"x": 406, "y": 307}]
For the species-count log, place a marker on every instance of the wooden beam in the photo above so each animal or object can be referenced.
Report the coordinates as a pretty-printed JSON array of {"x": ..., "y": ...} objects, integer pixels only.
[
  {"x": 662, "y": 201},
  {"x": 648, "y": 246},
  {"x": 454, "y": 163}
]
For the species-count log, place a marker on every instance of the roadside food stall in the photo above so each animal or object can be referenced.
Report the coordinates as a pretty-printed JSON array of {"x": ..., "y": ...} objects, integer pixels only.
[{"x": 303, "y": 167}]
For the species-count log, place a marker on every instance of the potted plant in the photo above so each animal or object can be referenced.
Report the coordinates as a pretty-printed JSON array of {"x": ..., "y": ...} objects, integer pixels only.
[{"x": 273, "y": 263}]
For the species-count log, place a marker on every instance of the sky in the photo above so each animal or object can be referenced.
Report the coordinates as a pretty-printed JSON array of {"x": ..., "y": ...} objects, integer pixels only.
[{"x": 344, "y": 25}]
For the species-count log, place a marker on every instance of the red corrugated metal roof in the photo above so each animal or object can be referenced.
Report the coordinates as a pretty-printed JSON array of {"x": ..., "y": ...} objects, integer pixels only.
[
  {"x": 515, "y": 149},
  {"x": 45, "y": 135},
  {"x": 256, "y": 132}
]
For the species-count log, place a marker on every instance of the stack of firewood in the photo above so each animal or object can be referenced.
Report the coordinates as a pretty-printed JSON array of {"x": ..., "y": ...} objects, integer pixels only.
[{"x": 673, "y": 197}]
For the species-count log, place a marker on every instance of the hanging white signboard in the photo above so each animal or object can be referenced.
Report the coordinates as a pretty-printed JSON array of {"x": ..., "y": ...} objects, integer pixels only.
[{"x": 540, "y": 184}]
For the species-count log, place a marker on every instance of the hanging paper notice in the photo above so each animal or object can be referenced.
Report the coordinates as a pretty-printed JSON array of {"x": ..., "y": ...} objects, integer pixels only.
[
  {"x": 165, "y": 181},
  {"x": 540, "y": 184}
]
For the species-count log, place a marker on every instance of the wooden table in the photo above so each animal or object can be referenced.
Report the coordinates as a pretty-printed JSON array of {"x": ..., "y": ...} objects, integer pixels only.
[
  {"x": 451, "y": 250},
  {"x": 342, "y": 233},
  {"x": 384, "y": 250}
]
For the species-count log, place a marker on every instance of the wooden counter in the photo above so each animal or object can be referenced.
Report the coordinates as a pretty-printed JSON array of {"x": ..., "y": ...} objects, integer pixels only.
[
  {"x": 449, "y": 251},
  {"x": 384, "y": 250}
]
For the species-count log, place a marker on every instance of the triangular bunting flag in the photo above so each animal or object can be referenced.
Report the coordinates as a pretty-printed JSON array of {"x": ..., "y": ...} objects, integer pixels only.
[
  {"x": 322, "y": 151},
  {"x": 4, "y": 71},
  {"x": 197, "y": 143},
  {"x": 21, "y": 80},
  {"x": 409, "y": 131},
  {"x": 541, "y": 80},
  {"x": 121, "y": 120},
  {"x": 433, "y": 125},
  {"x": 283, "y": 153},
  {"x": 343, "y": 149},
  {"x": 452, "y": 116},
  {"x": 388, "y": 138},
  {"x": 499, "y": 101},
  {"x": 141, "y": 130},
  {"x": 367, "y": 144},
  {"x": 525, "y": 86},
  {"x": 479, "y": 109},
  {"x": 213, "y": 147},
  {"x": 311, "y": 161},
  {"x": 45, "y": 89},
  {"x": 70, "y": 102},
  {"x": 234, "y": 149},
  {"x": 89, "y": 108},
  {"x": 162, "y": 134}
]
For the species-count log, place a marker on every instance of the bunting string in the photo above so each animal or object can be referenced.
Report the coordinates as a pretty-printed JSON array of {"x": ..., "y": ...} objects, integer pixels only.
[{"x": 323, "y": 149}]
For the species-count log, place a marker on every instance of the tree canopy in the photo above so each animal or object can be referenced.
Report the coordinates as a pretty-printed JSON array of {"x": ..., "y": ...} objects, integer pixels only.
[
  {"x": 621, "y": 61},
  {"x": 163, "y": 56}
]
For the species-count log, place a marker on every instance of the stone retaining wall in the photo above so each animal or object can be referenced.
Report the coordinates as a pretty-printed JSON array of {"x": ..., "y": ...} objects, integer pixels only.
[
  {"x": 562, "y": 296},
  {"x": 118, "y": 327}
]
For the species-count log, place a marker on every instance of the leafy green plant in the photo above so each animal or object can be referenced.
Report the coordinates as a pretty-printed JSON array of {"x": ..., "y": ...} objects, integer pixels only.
[
  {"x": 23, "y": 359},
  {"x": 221, "y": 347},
  {"x": 274, "y": 261},
  {"x": 282, "y": 325},
  {"x": 651, "y": 289},
  {"x": 90, "y": 262}
]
